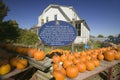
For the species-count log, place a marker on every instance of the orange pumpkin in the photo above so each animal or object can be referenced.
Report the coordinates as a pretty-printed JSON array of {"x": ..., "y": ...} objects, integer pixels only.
[
  {"x": 76, "y": 54},
  {"x": 14, "y": 61},
  {"x": 82, "y": 58},
  {"x": 56, "y": 59},
  {"x": 109, "y": 55},
  {"x": 67, "y": 63},
  {"x": 76, "y": 60},
  {"x": 31, "y": 52},
  {"x": 71, "y": 57},
  {"x": 72, "y": 71},
  {"x": 63, "y": 57},
  {"x": 58, "y": 75},
  {"x": 39, "y": 55},
  {"x": 81, "y": 67},
  {"x": 100, "y": 56},
  {"x": 96, "y": 62},
  {"x": 60, "y": 68},
  {"x": 83, "y": 53},
  {"x": 117, "y": 55},
  {"x": 23, "y": 61},
  {"x": 55, "y": 66},
  {"x": 4, "y": 69},
  {"x": 22, "y": 64},
  {"x": 90, "y": 65}
]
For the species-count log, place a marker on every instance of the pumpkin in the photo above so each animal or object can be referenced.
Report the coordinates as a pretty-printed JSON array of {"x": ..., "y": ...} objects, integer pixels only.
[
  {"x": 96, "y": 62},
  {"x": 76, "y": 54},
  {"x": 100, "y": 56},
  {"x": 61, "y": 69},
  {"x": 71, "y": 57},
  {"x": 117, "y": 55},
  {"x": 55, "y": 66},
  {"x": 24, "y": 51},
  {"x": 83, "y": 53},
  {"x": 72, "y": 71},
  {"x": 109, "y": 55},
  {"x": 56, "y": 59},
  {"x": 67, "y": 63},
  {"x": 4, "y": 69},
  {"x": 20, "y": 66},
  {"x": 81, "y": 67},
  {"x": 31, "y": 52},
  {"x": 63, "y": 57},
  {"x": 21, "y": 63},
  {"x": 76, "y": 60},
  {"x": 39, "y": 55},
  {"x": 82, "y": 58},
  {"x": 67, "y": 52},
  {"x": 19, "y": 49},
  {"x": 93, "y": 56},
  {"x": 88, "y": 57},
  {"x": 14, "y": 61},
  {"x": 58, "y": 75},
  {"x": 90, "y": 65}
]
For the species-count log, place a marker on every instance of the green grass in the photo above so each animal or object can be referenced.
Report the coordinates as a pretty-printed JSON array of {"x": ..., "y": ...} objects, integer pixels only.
[{"x": 79, "y": 47}]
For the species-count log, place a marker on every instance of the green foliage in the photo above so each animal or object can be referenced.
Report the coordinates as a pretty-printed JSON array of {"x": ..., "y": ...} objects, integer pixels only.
[
  {"x": 27, "y": 37},
  {"x": 118, "y": 35},
  {"x": 110, "y": 36},
  {"x": 100, "y": 36},
  {"x": 3, "y": 10},
  {"x": 9, "y": 31}
]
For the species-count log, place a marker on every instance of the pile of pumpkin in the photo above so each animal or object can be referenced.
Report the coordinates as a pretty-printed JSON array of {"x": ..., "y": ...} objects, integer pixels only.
[
  {"x": 71, "y": 64},
  {"x": 35, "y": 53},
  {"x": 8, "y": 62},
  {"x": 19, "y": 62},
  {"x": 16, "y": 62}
]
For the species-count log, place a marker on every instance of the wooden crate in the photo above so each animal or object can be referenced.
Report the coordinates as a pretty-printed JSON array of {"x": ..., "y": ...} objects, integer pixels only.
[
  {"x": 39, "y": 75},
  {"x": 41, "y": 65}
]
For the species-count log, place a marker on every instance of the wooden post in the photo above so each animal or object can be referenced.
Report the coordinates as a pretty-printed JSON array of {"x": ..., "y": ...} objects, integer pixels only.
[
  {"x": 72, "y": 45},
  {"x": 42, "y": 44},
  {"x": 110, "y": 70}
]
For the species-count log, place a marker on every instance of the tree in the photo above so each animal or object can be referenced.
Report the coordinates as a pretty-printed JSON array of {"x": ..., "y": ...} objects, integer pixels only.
[
  {"x": 27, "y": 37},
  {"x": 91, "y": 36},
  {"x": 100, "y": 36},
  {"x": 3, "y": 10},
  {"x": 118, "y": 35},
  {"x": 110, "y": 36},
  {"x": 9, "y": 31}
]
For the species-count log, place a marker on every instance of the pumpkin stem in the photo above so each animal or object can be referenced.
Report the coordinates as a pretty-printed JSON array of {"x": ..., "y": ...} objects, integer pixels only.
[
  {"x": 59, "y": 66},
  {"x": 39, "y": 49}
]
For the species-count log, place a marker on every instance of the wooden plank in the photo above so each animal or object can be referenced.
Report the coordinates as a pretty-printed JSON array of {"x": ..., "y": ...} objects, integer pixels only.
[
  {"x": 42, "y": 65},
  {"x": 103, "y": 66},
  {"x": 39, "y": 75}
]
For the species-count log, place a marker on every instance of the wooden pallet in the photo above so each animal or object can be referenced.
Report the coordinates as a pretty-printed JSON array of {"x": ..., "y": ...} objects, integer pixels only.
[
  {"x": 39, "y": 75},
  {"x": 41, "y": 65}
]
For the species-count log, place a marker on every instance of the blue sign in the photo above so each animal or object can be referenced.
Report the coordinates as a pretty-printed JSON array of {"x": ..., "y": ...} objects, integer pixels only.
[{"x": 57, "y": 33}]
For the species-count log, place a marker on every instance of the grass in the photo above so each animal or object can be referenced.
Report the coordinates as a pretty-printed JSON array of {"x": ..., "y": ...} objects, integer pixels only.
[{"x": 79, "y": 47}]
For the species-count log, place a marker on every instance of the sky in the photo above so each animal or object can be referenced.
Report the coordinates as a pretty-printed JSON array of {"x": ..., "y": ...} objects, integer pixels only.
[{"x": 102, "y": 16}]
